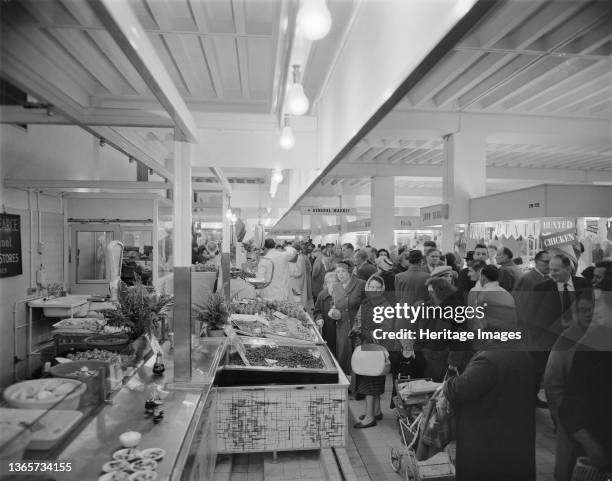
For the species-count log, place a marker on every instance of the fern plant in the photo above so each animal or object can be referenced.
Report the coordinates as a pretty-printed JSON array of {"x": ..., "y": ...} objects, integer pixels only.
[
  {"x": 213, "y": 314},
  {"x": 139, "y": 310}
]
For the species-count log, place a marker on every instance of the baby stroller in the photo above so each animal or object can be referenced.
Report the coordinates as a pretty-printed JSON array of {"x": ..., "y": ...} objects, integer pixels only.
[{"x": 413, "y": 395}]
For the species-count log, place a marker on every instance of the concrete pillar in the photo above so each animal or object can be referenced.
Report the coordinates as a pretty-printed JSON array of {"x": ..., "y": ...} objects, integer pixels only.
[
  {"x": 341, "y": 219},
  {"x": 181, "y": 245},
  {"x": 464, "y": 177},
  {"x": 182, "y": 204},
  {"x": 227, "y": 225},
  {"x": 382, "y": 211}
]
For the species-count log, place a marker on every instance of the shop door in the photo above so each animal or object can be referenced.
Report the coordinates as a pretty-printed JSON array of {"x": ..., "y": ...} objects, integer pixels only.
[{"x": 88, "y": 257}]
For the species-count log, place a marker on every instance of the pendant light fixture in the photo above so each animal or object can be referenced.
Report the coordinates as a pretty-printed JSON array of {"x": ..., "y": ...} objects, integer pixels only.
[
  {"x": 297, "y": 102},
  {"x": 275, "y": 179},
  {"x": 314, "y": 19},
  {"x": 277, "y": 176},
  {"x": 287, "y": 140}
]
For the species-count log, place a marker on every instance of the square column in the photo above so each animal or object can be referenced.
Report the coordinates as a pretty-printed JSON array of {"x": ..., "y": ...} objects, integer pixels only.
[
  {"x": 382, "y": 211},
  {"x": 181, "y": 242},
  {"x": 182, "y": 204},
  {"x": 464, "y": 177}
]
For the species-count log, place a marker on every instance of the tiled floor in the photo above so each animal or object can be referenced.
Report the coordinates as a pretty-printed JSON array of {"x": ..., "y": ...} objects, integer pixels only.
[{"x": 368, "y": 451}]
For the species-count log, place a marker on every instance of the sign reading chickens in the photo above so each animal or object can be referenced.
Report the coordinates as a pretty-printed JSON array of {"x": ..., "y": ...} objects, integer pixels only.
[
  {"x": 558, "y": 231},
  {"x": 10, "y": 245}
]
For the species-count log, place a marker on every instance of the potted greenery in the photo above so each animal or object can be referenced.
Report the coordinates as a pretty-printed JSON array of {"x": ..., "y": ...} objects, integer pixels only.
[
  {"x": 139, "y": 311},
  {"x": 203, "y": 281},
  {"x": 213, "y": 315}
]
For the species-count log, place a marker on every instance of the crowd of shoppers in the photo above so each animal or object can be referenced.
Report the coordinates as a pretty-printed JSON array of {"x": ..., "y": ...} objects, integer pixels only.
[{"x": 565, "y": 321}]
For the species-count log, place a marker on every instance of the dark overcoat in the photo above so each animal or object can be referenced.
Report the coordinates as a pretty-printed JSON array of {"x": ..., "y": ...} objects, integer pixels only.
[{"x": 494, "y": 404}]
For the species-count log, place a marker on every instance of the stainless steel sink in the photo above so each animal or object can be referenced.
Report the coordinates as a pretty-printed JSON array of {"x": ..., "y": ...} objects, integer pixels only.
[{"x": 66, "y": 306}]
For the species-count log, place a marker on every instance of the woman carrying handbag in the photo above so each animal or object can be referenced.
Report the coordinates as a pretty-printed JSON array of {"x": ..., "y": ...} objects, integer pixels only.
[{"x": 370, "y": 360}]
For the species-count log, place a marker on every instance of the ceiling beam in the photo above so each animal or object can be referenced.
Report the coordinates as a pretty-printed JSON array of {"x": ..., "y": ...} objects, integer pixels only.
[
  {"x": 17, "y": 69},
  {"x": 359, "y": 170},
  {"x": 84, "y": 184},
  {"x": 125, "y": 28},
  {"x": 125, "y": 144},
  {"x": 16, "y": 114},
  {"x": 225, "y": 184},
  {"x": 524, "y": 129}
]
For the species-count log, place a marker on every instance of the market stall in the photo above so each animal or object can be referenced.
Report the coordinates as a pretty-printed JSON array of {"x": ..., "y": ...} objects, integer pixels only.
[
  {"x": 560, "y": 217},
  {"x": 280, "y": 387}
]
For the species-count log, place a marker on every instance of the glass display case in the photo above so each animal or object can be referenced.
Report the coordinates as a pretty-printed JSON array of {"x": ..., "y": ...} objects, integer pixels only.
[
  {"x": 165, "y": 226},
  {"x": 206, "y": 356}
]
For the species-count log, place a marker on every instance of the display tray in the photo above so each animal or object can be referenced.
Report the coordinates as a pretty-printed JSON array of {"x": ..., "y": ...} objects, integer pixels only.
[
  {"x": 276, "y": 326},
  {"x": 47, "y": 429},
  {"x": 278, "y": 362},
  {"x": 91, "y": 325}
]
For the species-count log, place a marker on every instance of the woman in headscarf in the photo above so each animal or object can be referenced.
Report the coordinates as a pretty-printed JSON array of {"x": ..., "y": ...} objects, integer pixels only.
[
  {"x": 382, "y": 253},
  {"x": 385, "y": 270},
  {"x": 373, "y": 386},
  {"x": 347, "y": 296},
  {"x": 322, "y": 310}
]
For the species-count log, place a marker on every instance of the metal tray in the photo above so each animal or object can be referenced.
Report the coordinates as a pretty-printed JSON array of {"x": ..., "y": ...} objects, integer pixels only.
[{"x": 325, "y": 356}]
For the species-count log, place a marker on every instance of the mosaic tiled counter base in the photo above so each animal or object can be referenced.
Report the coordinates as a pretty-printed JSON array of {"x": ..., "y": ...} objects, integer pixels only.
[{"x": 279, "y": 418}]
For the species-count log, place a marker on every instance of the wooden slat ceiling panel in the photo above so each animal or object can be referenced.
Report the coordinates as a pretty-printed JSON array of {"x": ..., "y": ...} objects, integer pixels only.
[
  {"x": 107, "y": 45},
  {"x": 260, "y": 64},
  {"x": 260, "y": 15},
  {"x": 162, "y": 50},
  {"x": 220, "y": 16},
  {"x": 189, "y": 59},
  {"x": 49, "y": 12},
  {"x": 143, "y": 12},
  {"x": 527, "y": 57},
  {"x": 37, "y": 46},
  {"x": 88, "y": 55},
  {"x": 227, "y": 56},
  {"x": 18, "y": 45}
]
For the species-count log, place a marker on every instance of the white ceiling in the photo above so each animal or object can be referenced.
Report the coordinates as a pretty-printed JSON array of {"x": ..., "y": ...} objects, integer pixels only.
[
  {"x": 534, "y": 78},
  {"x": 223, "y": 56},
  {"x": 227, "y": 58}
]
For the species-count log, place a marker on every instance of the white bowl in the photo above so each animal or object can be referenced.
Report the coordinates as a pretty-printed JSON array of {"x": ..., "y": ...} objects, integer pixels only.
[
  {"x": 14, "y": 394},
  {"x": 130, "y": 439}
]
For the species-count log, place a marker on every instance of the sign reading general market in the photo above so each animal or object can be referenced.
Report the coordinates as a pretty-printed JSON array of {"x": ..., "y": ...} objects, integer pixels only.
[
  {"x": 10, "y": 245},
  {"x": 328, "y": 210}
]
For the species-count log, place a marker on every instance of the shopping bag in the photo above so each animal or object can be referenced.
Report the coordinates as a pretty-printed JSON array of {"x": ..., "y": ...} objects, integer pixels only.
[
  {"x": 438, "y": 424},
  {"x": 373, "y": 360}
]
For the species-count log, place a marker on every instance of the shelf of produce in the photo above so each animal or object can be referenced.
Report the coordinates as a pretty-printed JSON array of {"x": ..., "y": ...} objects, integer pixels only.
[
  {"x": 278, "y": 320},
  {"x": 272, "y": 407}
]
